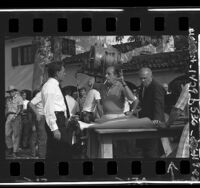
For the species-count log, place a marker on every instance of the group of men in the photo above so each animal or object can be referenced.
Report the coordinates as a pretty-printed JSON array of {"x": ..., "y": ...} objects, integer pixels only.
[
  {"x": 24, "y": 127},
  {"x": 53, "y": 109}
]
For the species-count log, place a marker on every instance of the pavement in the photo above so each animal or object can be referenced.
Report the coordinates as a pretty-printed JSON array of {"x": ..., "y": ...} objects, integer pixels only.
[{"x": 23, "y": 154}]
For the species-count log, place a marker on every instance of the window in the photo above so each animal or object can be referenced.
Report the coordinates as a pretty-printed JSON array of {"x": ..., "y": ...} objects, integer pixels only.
[
  {"x": 16, "y": 56},
  {"x": 22, "y": 55},
  {"x": 26, "y": 55},
  {"x": 68, "y": 47}
]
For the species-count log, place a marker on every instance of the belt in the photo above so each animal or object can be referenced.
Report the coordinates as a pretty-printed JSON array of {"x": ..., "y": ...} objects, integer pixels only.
[
  {"x": 59, "y": 112},
  {"x": 9, "y": 113},
  {"x": 86, "y": 112}
]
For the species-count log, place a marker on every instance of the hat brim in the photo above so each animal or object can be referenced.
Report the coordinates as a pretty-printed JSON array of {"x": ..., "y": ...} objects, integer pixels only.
[{"x": 11, "y": 90}]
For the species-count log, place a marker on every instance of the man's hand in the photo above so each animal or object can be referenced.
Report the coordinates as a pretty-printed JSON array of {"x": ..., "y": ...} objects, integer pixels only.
[
  {"x": 167, "y": 124},
  {"x": 129, "y": 113},
  {"x": 76, "y": 117},
  {"x": 66, "y": 122},
  {"x": 121, "y": 79},
  {"x": 57, "y": 134},
  {"x": 33, "y": 128},
  {"x": 14, "y": 116},
  {"x": 158, "y": 124},
  {"x": 38, "y": 117}
]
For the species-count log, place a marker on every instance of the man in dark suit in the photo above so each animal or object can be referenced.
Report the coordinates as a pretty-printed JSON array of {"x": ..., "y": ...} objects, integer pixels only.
[{"x": 151, "y": 96}]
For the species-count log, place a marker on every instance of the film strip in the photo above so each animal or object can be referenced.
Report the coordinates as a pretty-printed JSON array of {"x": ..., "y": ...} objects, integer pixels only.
[{"x": 114, "y": 22}]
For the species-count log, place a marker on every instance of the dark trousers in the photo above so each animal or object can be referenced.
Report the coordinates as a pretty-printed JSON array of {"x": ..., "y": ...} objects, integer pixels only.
[
  {"x": 26, "y": 131},
  {"x": 58, "y": 150}
]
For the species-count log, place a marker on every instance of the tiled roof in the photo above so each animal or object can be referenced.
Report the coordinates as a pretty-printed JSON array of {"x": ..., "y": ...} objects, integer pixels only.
[
  {"x": 177, "y": 59},
  {"x": 166, "y": 60},
  {"x": 79, "y": 58}
]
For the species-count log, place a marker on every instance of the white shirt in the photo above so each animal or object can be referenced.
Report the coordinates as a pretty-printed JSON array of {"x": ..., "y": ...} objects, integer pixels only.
[
  {"x": 25, "y": 102},
  {"x": 72, "y": 105},
  {"x": 52, "y": 100},
  {"x": 127, "y": 105},
  {"x": 37, "y": 101},
  {"x": 90, "y": 101}
]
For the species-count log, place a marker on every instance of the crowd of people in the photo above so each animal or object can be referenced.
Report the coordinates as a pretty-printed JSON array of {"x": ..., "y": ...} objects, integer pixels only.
[{"x": 39, "y": 124}]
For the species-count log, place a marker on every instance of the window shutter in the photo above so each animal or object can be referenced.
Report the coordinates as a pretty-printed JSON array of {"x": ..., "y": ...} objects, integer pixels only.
[
  {"x": 15, "y": 56},
  {"x": 26, "y": 55},
  {"x": 68, "y": 47}
]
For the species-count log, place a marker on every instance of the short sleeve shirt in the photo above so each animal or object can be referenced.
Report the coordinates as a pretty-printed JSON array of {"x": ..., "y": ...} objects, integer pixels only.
[
  {"x": 13, "y": 103},
  {"x": 25, "y": 103},
  {"x": 72, "y": 105},
  {"x": 90, "y": 102}
]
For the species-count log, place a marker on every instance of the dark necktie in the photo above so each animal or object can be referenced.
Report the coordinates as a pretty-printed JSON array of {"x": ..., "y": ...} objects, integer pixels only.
[
  {"x": 143, "y": 91},
  {"x": 67, "y": 109}
]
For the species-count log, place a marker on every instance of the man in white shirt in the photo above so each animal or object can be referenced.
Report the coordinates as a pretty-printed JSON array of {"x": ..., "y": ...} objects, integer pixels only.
[
  {"x": 37, "y": 107},
  {"x": 55, "y": 114},
  {"x": 25, "y": 101},
  {"x": 91, "y": 104},
  {"x": 26, "y": 125}
]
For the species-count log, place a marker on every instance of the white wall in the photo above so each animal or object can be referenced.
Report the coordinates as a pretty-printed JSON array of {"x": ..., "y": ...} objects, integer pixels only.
[{"x": 19, "y": 76}]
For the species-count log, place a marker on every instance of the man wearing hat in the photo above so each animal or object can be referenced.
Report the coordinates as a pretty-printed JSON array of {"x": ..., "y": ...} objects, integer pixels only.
[{"x": 14, "y": 106}]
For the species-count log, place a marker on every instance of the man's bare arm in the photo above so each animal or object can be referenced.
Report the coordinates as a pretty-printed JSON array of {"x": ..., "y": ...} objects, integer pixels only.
[
  {"x": 99, "y": 108},
  {"x": 19, "y": 109}
]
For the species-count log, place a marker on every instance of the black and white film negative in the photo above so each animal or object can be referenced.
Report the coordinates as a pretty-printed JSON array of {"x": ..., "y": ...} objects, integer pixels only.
[{"x": 99, "y": 96}]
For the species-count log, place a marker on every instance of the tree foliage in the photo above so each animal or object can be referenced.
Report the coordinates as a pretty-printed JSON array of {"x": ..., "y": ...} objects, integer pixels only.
[
  {"x": 46, "y": 49},
  {"x": 180, "y": 41}
]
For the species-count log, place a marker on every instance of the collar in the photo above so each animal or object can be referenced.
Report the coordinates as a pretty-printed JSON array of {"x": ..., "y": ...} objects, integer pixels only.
[
  {"x": 54, "y": 81},
  {"x": 168, "y": 93},
  {"x": 114, "y": 84}
]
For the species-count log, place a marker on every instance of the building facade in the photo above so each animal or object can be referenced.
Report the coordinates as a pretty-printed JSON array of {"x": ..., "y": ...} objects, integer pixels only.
[{"x": 19, "y": 64}]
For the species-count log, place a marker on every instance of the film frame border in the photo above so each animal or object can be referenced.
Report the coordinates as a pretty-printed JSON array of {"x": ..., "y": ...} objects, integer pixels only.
[{"x": 145, "y": 29}]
